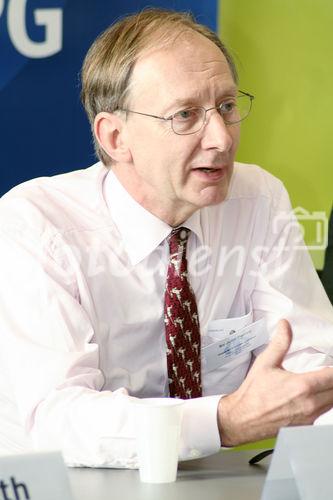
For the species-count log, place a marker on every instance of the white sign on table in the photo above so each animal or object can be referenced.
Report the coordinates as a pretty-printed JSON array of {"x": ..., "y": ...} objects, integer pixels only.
[
  {"x": 301, "y": 466},
  {"x": 34, "y": 476}
]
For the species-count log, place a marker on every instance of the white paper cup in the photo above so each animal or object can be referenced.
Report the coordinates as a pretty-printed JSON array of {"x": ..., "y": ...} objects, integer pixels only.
[{"x": 158, "y": 435}]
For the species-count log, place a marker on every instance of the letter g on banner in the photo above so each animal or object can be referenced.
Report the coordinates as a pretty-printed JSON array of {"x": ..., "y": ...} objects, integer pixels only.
[{"x": 51, "y": 19}]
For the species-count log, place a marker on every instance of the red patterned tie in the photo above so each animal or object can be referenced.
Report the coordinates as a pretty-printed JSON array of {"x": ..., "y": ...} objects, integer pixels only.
[{"x": 181, "y": 323}]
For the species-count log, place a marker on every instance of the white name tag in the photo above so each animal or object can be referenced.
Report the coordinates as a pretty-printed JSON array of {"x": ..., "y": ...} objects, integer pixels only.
[
  {"x": 234, "y": 343},
  {"x": 35, "y": 476},
  {"x": 219, "y": 328}
]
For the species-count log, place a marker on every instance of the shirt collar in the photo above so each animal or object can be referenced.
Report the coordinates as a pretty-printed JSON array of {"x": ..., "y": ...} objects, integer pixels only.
[{"x": 141, "y": 231}]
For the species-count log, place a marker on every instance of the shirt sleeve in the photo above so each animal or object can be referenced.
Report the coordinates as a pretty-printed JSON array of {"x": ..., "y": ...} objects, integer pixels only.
[
  {"x": 51, "y": 359},
  {"x": 287, "y": 286}
]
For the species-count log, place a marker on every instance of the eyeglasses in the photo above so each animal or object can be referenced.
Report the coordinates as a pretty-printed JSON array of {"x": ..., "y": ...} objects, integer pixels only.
[{"x": 190, "y": 120}]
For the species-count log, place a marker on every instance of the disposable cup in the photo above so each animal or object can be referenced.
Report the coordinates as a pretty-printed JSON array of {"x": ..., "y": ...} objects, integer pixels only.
[{"x": 158, "y": 434}]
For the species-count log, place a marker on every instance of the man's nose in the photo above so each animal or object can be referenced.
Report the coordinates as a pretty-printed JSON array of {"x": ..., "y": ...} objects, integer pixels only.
[{"x": 216, "y": 134}]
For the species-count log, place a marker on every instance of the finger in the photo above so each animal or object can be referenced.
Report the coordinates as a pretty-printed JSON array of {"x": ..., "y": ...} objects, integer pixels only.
[
  {"x": 316, "y": 405},
  {"x": 324, "y": 401},
  {"x": 278, "y": 346},
  {"x": 319, "y": 380}
]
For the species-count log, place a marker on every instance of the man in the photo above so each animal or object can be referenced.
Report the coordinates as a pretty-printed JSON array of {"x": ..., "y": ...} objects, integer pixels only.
[{"x": 123, "y": 280}]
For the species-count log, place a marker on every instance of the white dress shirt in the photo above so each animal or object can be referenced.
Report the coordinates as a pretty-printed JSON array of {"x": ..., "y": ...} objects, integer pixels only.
[{"x": 83, "y": 270}]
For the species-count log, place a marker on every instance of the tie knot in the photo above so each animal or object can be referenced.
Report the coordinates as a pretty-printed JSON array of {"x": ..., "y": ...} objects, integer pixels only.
[{"x": 178, "y": 239}]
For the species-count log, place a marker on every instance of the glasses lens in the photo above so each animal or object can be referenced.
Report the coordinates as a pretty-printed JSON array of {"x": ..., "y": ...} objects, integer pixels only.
[
  {"x": 188, "y": 121},
  {"x": 236, "y": 111}
]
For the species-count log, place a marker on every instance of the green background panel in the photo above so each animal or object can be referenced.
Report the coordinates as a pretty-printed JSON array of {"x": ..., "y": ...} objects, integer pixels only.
[
  {"x": 259, "y": 445},
  {"x": 283, "y": 50}
]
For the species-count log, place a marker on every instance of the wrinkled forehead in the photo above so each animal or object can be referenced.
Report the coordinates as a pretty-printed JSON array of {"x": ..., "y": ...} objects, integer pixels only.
[{"x": 189, "y": 62}]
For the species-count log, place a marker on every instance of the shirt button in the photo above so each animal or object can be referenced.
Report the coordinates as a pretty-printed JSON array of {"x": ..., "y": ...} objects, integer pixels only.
[
  {"x": 195, "y": 453},
  {"x": 182, "y": 234}
]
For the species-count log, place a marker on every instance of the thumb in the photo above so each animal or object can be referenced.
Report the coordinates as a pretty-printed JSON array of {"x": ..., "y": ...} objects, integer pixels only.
[{"x": 279, "y": 345}]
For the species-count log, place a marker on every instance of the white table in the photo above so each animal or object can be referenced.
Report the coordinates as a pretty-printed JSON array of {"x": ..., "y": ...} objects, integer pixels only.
[{"x": 224, "y": 476}]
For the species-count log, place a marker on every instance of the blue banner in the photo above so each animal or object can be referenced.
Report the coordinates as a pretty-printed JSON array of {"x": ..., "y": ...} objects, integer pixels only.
[{"x": 43, "y": 128}]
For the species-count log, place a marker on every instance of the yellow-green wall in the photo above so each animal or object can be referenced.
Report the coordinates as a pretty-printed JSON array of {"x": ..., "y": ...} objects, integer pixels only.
[{"x": 284, "y": 53}]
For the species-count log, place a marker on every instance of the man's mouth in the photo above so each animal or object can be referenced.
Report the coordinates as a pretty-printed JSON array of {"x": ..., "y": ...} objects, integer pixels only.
[
  {"x": 207, "y": 169},
  {"x": 210, "y": 173}
]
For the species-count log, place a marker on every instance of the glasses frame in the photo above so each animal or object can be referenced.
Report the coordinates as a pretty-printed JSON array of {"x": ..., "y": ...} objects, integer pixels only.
[{"x": 171, "y": 117}]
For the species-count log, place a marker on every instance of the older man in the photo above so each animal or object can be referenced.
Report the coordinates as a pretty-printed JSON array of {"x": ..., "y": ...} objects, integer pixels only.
[{"x": 160, "y": 271}]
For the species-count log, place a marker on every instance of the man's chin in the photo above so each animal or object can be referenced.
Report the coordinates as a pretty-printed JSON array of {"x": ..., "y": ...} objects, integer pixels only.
[{"x": 211, "y": 195}]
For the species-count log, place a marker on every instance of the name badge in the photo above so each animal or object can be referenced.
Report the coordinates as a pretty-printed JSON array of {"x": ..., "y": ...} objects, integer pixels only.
[
  {"x": 35, "y": 476},
  {"x": 219, "y": 328},
  {"x": 234, "y": 343}
]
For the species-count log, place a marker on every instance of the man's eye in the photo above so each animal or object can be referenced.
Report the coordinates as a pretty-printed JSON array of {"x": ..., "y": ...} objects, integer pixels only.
[
  {"x": 227, "y": 107},
  {"x": 187, "y": 114}
]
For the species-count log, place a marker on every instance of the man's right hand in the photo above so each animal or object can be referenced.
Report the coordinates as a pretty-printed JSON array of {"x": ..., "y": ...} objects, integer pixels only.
[{"x": 271, "y": 397}]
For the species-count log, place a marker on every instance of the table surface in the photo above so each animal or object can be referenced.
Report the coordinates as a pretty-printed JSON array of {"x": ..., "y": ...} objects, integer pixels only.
[{"x": 223, "y": 476}]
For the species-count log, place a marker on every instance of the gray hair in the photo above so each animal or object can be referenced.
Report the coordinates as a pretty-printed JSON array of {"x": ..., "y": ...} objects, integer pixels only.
[{"x": 108, "y": 65}]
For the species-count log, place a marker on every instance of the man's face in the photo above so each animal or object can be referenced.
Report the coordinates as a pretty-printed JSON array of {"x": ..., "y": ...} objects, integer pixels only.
[{"x": 173, "y": 175}]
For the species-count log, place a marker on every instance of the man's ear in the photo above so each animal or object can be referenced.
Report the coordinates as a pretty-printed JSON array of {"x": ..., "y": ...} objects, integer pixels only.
[{"x": 109, "y": 131}]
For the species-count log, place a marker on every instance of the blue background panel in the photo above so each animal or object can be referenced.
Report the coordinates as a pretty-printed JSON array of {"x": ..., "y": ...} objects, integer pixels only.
[{"x": 43, "y": 128}]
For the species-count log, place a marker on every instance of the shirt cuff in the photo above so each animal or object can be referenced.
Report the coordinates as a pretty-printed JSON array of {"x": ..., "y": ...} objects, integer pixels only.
[{"x": 199, "y": 433}]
